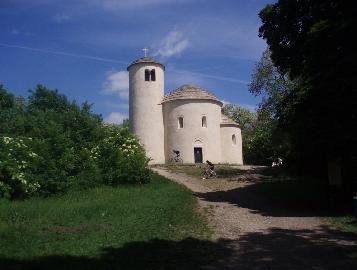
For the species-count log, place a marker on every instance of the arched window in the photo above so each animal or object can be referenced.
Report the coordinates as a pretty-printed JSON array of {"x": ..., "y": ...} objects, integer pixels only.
[
  {"x": 234, "y": 139},
  {"x": 180, "y": 122},
  {"x": 153, "y": 76},
  {"x": 147, "y": 75},
  {"x": 204, "y": 121}
]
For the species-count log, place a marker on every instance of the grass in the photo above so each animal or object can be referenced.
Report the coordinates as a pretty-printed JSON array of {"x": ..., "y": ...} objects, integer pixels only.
[
  {"x": 85, "y": 223},
  {"x": 345, "y": 222}
]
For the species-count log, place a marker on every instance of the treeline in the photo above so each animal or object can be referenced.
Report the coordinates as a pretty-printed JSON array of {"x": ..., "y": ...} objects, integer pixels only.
[
  {"x": 307, "y": 81},
  {"x": 262, "y": 142},
  {"x": 49, "y": 145}
]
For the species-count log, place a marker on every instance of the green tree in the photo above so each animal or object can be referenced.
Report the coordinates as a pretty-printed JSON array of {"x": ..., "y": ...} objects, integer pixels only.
[
  {"x": 242, "y": 116},
  {"x": 6, "y": 99},
  {"x": 49, "y": 144},
  {"x": 314, "y": 43},
  {"x": 271, "y": 85},
  {"x": 257, "y": 134}
]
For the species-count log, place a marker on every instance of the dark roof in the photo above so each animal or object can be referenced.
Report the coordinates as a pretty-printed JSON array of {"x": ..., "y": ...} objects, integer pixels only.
[
  {"x": 146, "y": 59},
  {"x": 189, "y": 91}
]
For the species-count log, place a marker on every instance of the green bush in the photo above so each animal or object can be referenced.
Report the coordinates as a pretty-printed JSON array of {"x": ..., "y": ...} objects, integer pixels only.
[
  {"x": 49, "y": 145},
  {"x": 17, "y": 159},
  {"x": 122, "y": 159}
]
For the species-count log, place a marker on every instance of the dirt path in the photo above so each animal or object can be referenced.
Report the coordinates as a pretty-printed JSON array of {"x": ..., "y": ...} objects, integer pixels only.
[{"x": 264, "y": 236}]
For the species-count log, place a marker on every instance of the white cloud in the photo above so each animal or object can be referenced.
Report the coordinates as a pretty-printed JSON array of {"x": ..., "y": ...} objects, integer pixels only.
[
  {"x": 120, "y": 106},
  {"x": 116, "y": 118},
  {"x": 226, "y": 36},
  {"x": 174, "y": 43},
  {"x": 16, "y": 32},
  {"x": 60, "y": 18},
  {"x": 226, "y": 102},
  {"x": 175, "y": 79},
  {"x": 117, "y": 83}
]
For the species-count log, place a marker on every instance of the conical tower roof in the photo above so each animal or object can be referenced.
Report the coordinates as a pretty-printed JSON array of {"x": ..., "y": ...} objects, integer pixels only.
[{"x": 146, "y": 59}]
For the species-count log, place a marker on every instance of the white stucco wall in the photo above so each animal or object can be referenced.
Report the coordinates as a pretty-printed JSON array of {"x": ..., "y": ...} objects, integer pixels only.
[
  {"x": 145, "y": 111},
  {"x": 231, "y": 153},
  {"x": 193, "y": 134}
]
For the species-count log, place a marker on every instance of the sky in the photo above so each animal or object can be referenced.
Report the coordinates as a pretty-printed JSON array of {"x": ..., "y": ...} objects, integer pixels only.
[{"x": 83, "y": 47}]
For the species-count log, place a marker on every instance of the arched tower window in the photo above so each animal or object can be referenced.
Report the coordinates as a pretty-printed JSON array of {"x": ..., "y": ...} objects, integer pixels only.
[
  {"x": 234, "y": 139},
  {"x": 180, "y": 122},
  {"x": 147, "y": 75},
  {"x": 204, "y": 121},
  {"x": 153, "y": 76}
]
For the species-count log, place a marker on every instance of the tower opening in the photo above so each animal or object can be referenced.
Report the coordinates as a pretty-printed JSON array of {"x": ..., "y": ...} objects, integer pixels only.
[
  {"x": 153, "y": 76},
  {"x": 147, "y": 75},
  {"x": 204, "y": 121},
  {"x": 180, "y": 122}
]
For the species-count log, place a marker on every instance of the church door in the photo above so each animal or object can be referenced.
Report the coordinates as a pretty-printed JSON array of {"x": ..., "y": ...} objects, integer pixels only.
[{"x": 198, "y": 154}]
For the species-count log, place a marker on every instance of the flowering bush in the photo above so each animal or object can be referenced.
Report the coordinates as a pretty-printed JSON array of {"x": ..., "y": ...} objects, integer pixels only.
[
  {"x": 57, "y": 145},
  {"x": 123, "y": 159},
  {"x": 16, "y": 161}
]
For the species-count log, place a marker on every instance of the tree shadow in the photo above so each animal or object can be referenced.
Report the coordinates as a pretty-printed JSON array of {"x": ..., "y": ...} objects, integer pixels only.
[
  {"x": 189, "y": 253},
  {"x": 274, "y": 198},
  {"x": 275, "y": 249},
  {"x": 252, "y": 174},
  {"x": 294, "y": 249}
]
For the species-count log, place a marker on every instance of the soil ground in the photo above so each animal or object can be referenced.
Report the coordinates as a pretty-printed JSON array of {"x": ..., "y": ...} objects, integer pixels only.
[{"x": 258, "y": 234}]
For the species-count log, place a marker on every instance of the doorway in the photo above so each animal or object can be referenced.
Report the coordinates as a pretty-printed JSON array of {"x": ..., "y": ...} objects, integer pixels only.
[{"x": 197, "y": 151}]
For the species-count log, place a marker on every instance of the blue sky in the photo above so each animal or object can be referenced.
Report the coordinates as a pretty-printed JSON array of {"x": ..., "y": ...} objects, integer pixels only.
[{"x": 82, "y": 47}]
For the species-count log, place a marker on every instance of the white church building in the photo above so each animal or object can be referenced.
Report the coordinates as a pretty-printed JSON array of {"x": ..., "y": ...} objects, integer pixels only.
[{"x": 188, "y": 119}]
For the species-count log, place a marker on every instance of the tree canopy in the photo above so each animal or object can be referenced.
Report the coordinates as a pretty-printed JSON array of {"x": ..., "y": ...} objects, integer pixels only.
[
  {"x": 49, "y": 144},
  {"x": 313, "y": 43}
]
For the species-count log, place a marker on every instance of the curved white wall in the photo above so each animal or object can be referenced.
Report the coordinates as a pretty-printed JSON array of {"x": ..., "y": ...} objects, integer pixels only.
[
  {"x": 145, "y": 111},
  {"x": 231, "y": 153},
  {"x": 193, "y": 134}
]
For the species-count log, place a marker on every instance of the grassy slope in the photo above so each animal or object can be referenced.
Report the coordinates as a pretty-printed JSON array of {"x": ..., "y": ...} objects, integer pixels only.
[{"x": 83, "y": 223}]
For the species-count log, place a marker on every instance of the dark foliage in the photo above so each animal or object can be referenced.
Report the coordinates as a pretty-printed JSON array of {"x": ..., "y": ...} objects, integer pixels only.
[
  {"x": 313, "y": 42},
  {"x": 50, "y": 144}
]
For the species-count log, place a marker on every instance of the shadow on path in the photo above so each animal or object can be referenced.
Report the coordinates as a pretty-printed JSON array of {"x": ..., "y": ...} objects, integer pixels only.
[
  {"x": 270, "y": 199},
  {"x": 295, "y": 249},
  {"x": 271, "y": 193},
  {"x": 275, "y": 249}
]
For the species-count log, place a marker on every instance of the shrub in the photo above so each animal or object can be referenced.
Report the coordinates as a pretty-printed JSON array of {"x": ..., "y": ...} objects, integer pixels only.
[
  {"x": 122, "y": 158},
  {"x": 49, "y": 145},
  {"x": 17, "y": 160}
]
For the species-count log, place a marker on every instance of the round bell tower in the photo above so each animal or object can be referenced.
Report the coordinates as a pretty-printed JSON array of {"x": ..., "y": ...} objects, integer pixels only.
[{"x": 146, "y": 91}]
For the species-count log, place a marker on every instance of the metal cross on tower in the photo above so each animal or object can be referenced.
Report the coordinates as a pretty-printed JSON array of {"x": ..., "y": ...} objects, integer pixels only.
[{"x": 145, "y": 51}]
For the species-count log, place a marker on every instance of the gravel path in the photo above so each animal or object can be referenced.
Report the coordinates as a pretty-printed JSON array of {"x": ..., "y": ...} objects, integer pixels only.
[{"x": 258, "y": 235}]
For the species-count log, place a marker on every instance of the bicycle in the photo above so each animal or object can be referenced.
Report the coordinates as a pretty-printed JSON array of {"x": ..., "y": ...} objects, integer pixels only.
[
  {"x": 175, "y": 160},
  {"x": 208, "y": 173}
]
